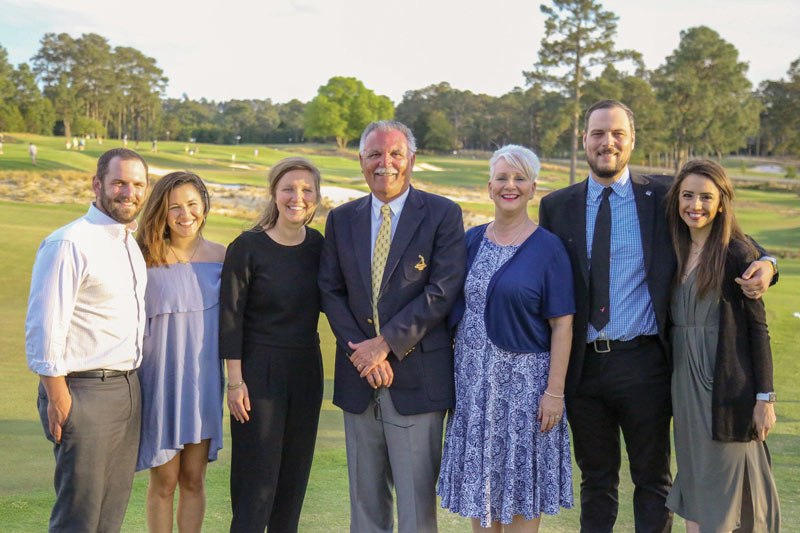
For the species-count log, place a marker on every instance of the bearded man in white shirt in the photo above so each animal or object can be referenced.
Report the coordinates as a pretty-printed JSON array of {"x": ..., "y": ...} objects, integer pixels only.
[{"x": 83, "y": 336}]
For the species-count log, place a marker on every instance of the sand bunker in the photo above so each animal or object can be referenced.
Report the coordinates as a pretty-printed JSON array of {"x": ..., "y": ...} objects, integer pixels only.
[
  {"x": 770, "y": 169},
  {"x": 421, "y": 167},
  {"x": 158, "y": 171},
  {"x": 339, "y": 195}
]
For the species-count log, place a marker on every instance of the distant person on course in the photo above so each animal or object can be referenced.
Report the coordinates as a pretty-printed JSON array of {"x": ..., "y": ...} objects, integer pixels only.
[
  {"x": 83, "y": 336},
  {"x": 33, "y": 152}
]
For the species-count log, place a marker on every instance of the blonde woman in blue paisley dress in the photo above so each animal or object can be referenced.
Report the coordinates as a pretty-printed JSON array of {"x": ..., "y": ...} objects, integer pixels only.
[{"x": 506, "y": 454}]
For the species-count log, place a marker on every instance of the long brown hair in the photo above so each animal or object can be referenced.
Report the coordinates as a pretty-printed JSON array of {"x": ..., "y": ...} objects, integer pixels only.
[
  {"x": 153, "y": 228},
  {"x": 269, "y": 217},
  {"x": 724, "y": 227}
]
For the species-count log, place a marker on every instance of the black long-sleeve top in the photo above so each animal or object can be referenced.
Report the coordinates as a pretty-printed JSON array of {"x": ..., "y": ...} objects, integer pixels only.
[{"x": 269, "y": 294}]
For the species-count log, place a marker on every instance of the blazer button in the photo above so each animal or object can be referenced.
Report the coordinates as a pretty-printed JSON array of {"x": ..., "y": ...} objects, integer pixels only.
[{"x": 369, "y": 321}]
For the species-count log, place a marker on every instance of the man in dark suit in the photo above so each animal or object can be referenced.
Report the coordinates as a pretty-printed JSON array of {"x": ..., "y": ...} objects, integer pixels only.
[
  {"x": 613, "y": 226},
  {"x": 392, "y": 265}
]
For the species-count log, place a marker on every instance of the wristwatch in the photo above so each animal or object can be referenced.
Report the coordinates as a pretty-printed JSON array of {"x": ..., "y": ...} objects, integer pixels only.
[
  {"x": 771, "y": 260},
  {"x": 769, "y": 397}
]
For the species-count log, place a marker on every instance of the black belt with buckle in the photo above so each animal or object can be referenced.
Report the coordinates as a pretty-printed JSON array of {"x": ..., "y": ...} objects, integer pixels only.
[
  {"x": 607, "y": 346},
  {"x": 101, "y": 373}
]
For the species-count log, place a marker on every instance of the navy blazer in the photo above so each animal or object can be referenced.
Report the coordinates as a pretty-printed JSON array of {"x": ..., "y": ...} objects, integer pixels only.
[
  {"x": 563, "y": 212},
  {"x": 424, "y": 274}
]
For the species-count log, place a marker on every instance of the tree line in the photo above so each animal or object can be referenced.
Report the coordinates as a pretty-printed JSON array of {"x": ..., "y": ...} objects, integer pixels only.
[{"x": 698, "y": 102}]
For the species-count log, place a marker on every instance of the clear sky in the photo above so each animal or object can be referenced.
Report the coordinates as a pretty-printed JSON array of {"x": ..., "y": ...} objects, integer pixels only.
[{"x": 284, "y": 49}]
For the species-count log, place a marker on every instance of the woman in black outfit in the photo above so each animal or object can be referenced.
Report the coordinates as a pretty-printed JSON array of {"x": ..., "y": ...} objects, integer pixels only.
[{"x": 269, "y": 309}]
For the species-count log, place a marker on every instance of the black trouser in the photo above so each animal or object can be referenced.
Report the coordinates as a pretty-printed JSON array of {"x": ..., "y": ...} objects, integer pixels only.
[
  {"x": 627, "y": 389},
  {"x": 96, "y": 458},
  {"x": 272, "y": 452}
]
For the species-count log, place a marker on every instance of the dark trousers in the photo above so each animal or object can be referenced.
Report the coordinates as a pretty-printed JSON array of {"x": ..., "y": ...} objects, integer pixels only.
[
  {"x": 96, "y": 458},
  {"x": 628, "y": 390},
  {"x": 271, "y": 453}
]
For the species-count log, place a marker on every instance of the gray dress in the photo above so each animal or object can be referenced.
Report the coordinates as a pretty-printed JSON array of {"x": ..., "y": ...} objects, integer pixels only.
[{"x": 709, "y": 486}]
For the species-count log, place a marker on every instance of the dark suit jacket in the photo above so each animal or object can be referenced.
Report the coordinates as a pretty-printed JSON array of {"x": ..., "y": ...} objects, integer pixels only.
[
  {"x": 563, "y": 212},
  {"x": 423, "y": 276},
  {"x": 744, "y": 359}
]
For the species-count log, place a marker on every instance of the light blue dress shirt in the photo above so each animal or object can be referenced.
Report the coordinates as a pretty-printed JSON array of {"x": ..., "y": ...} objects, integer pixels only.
[
  {"x": 396, "y": 206},
  {"x": 631, "y": 310}
]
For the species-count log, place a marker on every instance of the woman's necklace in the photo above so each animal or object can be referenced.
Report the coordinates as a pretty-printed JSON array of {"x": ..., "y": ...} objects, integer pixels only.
[
  {"x": 494, "y": 234},
  {"x": 693, "y": 259},
  {"x": 196, "y": 247}
]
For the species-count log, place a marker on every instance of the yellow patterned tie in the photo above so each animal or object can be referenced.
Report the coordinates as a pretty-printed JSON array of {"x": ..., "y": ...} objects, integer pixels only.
[{"x": 379, "y": 255}]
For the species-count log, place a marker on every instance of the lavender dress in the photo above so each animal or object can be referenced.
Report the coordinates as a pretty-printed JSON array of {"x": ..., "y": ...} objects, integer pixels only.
[
  {"x": 496, "y": 463},
  {"x": 180, "y": 375}
]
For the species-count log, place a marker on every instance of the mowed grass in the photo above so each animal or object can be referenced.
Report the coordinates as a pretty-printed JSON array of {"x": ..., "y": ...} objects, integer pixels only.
[
  {"x": 216, "y": 163},
  {"x": 26, "y": 493}
]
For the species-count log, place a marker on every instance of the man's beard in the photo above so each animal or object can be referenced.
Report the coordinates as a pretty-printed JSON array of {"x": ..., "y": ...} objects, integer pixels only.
[
  {"x": 607, "y": 173},
  {"x": 115, "y": 211}
]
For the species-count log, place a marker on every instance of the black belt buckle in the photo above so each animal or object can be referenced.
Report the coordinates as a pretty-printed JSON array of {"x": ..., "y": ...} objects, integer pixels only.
[{"x": 606, "y": 349}]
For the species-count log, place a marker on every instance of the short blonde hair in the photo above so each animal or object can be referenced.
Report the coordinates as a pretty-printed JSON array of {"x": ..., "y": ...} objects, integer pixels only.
[{"x": 518, "y": 157}]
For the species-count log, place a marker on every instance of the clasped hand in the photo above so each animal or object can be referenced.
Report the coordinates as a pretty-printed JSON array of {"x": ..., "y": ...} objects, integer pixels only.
[{"x": 369, "y": 358}]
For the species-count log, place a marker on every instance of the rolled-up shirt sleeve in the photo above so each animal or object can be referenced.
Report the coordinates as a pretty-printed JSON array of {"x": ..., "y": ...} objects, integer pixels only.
[{"x": 57, "y": 275}]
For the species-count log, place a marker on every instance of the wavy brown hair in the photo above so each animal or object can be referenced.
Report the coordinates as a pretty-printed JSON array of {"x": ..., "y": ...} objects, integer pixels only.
[
  {"x": 153, "y": 228},
  {"x": 269, "y": 217},
  {"x": 724, "y": 227}
]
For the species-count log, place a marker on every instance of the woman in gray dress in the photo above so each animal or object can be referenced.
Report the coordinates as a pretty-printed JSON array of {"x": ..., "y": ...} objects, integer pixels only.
[{"x": 722, "y": 390}]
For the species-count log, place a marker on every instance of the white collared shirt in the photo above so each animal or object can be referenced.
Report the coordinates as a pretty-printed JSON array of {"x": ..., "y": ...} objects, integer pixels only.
[
  {"x": 396, "y": 207},
  {"x": 86, "y": 307}
]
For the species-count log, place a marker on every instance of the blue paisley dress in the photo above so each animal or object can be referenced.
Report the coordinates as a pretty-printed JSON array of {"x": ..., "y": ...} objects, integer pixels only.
[{"x": 496, "y": 463}]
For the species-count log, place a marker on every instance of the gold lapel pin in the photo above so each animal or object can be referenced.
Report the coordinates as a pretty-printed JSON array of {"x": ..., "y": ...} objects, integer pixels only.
[{"x": 421, "y": 265}]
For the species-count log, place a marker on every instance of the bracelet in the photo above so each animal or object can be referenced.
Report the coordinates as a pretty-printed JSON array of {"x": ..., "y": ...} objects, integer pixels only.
[
  {"x": 235, "y": 386},
  {"x": 554, "y": 395}
]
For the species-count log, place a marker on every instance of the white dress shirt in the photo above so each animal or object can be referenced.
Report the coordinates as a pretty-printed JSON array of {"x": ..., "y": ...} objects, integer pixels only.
[
  {"x": 86, "y": 307},
  {"x": 396, "y": 207}
]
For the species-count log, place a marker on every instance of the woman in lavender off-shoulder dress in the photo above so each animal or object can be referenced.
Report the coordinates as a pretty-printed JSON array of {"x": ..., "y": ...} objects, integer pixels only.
[
  {"x": 181, "y": 373},
  {"x": 506, "y": 454}
]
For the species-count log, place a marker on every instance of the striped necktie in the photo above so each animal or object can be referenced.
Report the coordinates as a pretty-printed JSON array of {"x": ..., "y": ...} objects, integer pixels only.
[{"x": 382, "y": 243}]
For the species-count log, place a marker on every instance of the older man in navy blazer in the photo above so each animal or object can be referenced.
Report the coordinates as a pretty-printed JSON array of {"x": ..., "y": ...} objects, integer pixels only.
[{"x": 392, "y": 265}]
